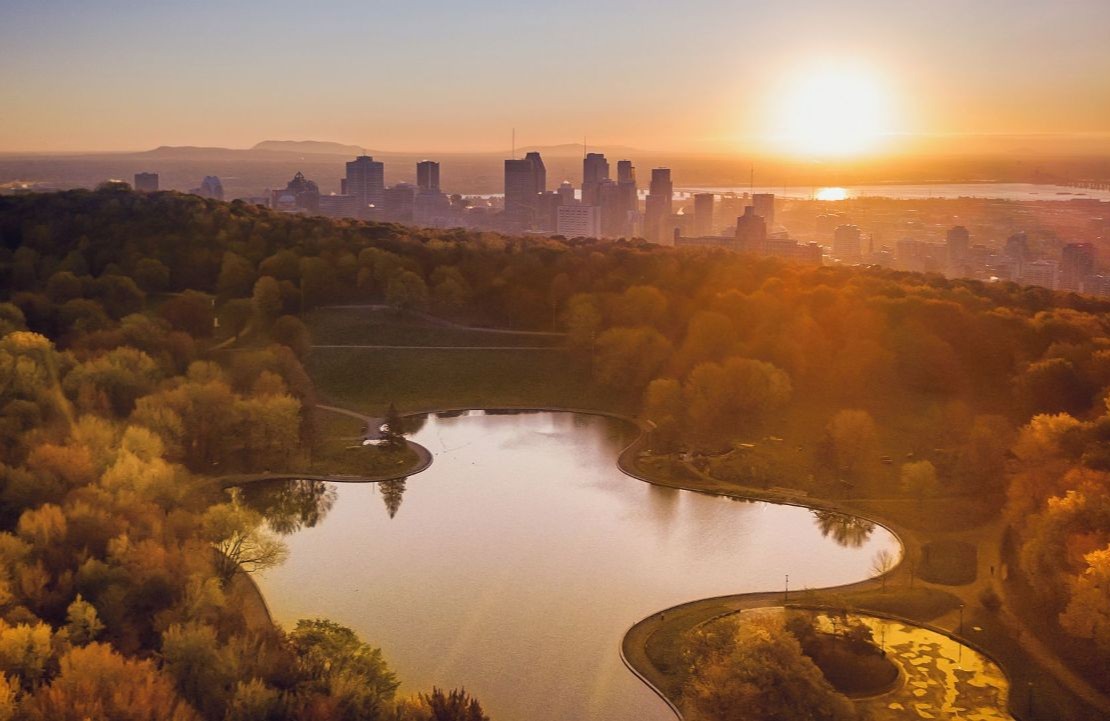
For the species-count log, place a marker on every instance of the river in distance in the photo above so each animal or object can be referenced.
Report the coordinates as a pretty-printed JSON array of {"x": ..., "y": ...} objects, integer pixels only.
[
  {"x": 922, "y": 191},
  {"x": 514, "y": 565}
]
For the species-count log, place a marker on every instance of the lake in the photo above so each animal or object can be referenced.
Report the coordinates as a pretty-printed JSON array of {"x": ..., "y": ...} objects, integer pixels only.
[{"x": 514, "y": 565}]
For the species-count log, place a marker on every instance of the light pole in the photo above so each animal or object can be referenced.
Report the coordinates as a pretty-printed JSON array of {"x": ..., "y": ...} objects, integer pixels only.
[
  {"x": 1030, "y": 699},
  {"x": 786, "y": 590},
  {"x": 960, "y": 650},
  {"x": 961, "y": 619}
]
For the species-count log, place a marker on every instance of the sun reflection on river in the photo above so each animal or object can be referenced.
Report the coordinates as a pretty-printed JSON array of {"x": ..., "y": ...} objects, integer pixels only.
[{"x": 831, "y": 194}]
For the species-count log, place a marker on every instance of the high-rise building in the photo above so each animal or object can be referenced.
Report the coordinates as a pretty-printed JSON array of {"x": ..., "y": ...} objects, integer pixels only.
[
  {"x": 659, "y": 206},
  {"x": 846, "y": 245},
  {"x": 579, "y": 221},
  {"x": 427, "y": 175},
  {"x": 957, "y": 243},
  {"x": 614, "y": 214},
  {"x": 146, "y": 182},
  {"x": 629, "y": 197},
  {"x": 595, "y": 168},
  {"x": 366, "y": 182},
  {"x": 764, "y": 204},
  {"x": 703, "y": 214},
  {"x": 525, "y": 179},
  {"x": 751, "y": 231},
  {"x": 1077, "y": 264},
  {"x": 210, "y": 187}
]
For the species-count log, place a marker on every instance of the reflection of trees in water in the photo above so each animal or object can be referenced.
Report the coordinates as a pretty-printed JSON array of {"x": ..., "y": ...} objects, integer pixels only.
[
  {"x": 289, "y": 506},
  {"x": 849, "y": 531},
  {"x": 393, "y": 493},
  {"x": 414, "y": 424}
]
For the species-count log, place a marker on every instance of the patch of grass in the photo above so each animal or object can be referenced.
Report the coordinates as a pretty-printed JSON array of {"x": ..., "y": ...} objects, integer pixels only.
[
  {"x": 356, "y": 326},
  {"x": 414, "y": 380},
  {"x": 937, "y": 515},
  {"x": 916, "y": 604},
  {"x": 948, "y": 562}
]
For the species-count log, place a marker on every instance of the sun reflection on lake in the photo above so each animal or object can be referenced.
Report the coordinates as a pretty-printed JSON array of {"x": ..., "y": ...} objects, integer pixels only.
[{"x": 831, "y": 194}]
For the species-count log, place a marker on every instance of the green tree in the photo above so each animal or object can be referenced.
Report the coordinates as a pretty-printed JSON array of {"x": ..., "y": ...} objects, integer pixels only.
[
  {"x": 351, "y": 672},
  {"x": 406, "y": 291},
  {"x": 266, "y": 299}
]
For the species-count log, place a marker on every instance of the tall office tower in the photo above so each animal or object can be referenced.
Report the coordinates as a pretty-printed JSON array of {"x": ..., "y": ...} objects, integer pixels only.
[
  {"x": 146, "y": 182},
  {"x": 751, "y": 231},
  {"x": 524, "y": 180},
  {"x": 956, "y": 245},
  {"x": 427, "y": 175},
  {"x": 566, "y": 190},
  {"x": 366, "y": 182},
  {"x": 1017, "y": 251},
  {"x": 210, "y": 187},
  {"x": 614, "y": 214},
  {"x": 659, "y": 206},
  {"x": 846, "y": 244},
  {"x": 1077, "y": 263},
  {"x": 764, "y": 204},
  {"x": 630, "y": 200},
  {"x": 703, "y": 214},
  {"x": 595, "y": 168}
]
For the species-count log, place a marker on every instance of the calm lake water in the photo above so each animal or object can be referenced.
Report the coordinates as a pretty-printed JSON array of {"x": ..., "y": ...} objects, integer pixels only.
[{"x": 515, "y": 564}]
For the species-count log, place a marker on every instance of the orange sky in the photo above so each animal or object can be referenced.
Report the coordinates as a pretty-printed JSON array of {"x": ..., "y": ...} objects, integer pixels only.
[{"x": 709, "y": 75}]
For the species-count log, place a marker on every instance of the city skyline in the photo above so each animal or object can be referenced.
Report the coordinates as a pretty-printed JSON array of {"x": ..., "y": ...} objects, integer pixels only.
[{"x": 717, "y": 77}]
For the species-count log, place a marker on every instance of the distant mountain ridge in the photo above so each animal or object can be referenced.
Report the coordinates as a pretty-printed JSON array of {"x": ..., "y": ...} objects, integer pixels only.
[{"x": 309, "y": 147}]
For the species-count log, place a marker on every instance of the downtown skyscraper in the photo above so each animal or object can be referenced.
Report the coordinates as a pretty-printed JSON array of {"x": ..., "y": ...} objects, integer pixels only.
[{"x": 365, "y": 182}]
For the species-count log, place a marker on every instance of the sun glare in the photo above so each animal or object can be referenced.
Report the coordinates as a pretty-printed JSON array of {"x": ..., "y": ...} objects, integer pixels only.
[{"x": 832, "y": 111}]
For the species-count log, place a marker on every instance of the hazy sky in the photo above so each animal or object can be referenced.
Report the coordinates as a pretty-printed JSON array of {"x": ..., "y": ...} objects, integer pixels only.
[{"x": 431, "y": 75}]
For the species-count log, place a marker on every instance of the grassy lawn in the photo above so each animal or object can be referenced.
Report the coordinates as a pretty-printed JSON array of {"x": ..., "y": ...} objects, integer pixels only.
[
  {"x": 338, "y": 450},
  {"x": 917, "y": 604},
  {"x": 356, "y": 326},
  {"x": 952, "y": 563}
]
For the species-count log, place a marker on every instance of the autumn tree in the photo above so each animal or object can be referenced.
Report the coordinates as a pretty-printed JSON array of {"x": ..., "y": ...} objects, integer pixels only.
[
  {"x": 95, "y": 682},
  {"x": 241, "y": 539},
  {"x": 852, "y": 438},
  {"x": 1088, "y": 609},
  {"x": 919, "y": 479},
  {"x": 752, "y": 669}
]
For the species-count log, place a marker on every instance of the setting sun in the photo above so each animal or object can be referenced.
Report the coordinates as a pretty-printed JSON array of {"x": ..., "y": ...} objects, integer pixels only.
[{"x": 832, "y": 111}]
